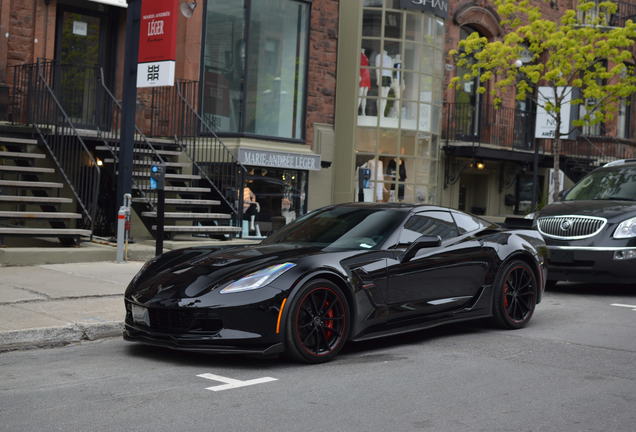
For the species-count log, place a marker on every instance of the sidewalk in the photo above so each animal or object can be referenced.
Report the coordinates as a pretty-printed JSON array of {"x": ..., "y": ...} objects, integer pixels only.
[{"x": 58, "y": 304}]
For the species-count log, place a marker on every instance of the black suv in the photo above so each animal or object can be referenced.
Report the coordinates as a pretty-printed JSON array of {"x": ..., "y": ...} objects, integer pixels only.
[{"x": 591, "y": 233}]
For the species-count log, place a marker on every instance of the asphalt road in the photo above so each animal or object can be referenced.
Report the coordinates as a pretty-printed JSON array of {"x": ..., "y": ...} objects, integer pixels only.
[{"x": 572, "y": 369}]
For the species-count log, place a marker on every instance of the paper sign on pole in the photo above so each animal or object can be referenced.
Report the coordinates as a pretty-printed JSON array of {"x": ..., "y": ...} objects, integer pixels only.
[
  {"x": 545, "y": 124},
  {"x": 157, "y": 43}
]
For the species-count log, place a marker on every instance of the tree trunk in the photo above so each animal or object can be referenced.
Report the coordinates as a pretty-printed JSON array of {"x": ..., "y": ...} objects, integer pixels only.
[{"x": 556, "y": 152}]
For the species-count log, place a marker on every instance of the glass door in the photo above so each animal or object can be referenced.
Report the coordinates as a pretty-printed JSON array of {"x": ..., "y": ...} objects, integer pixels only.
[{"x": 80, "y": 48}]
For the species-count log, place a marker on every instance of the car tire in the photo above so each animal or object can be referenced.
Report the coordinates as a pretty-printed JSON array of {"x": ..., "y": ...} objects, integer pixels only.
[
  {"x": 318, "y": 322},
  {"x": 515, "y": 295}
]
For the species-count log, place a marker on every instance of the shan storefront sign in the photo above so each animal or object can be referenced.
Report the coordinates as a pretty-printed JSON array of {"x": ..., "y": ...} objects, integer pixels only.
[
  {"x": 274, "y": 159},
  {"x": 437, "y": 7},
  {"x": 157, "y": 43}
]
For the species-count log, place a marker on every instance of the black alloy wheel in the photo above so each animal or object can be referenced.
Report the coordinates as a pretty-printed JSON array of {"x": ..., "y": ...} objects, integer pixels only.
[
  {"x": 515, "y": 295},
  {"x": 318, "y": 323}
]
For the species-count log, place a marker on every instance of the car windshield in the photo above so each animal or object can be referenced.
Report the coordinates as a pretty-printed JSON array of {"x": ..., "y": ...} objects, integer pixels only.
[
  {"x": 607, "y": 184},
  {"x": 341, "y": 228}
]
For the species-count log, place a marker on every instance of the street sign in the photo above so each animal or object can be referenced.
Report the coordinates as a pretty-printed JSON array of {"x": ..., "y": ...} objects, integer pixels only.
[{"x": 157, "y": 43}]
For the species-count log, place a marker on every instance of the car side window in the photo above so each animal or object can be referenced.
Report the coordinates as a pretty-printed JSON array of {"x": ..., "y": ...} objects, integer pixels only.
[
  {"x": 466, "y": 223},
  {"x": 430, "y": 223}
]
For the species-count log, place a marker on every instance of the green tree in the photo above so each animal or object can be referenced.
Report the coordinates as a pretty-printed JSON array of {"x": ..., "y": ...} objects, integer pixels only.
[{"x": 580, "y": 51}]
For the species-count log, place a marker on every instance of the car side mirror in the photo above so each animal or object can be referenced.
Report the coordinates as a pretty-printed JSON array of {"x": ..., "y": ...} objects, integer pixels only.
[{"x": 421, "y": 243}]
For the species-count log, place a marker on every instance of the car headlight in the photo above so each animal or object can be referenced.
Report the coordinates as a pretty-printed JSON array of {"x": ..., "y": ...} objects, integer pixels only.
[
  {"x": 626, "y": 229},
  {"x": 257, "y": 279}
]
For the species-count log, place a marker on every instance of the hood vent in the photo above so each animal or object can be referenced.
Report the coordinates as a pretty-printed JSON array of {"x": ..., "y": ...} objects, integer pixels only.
[{"x": 570, "y": 227}]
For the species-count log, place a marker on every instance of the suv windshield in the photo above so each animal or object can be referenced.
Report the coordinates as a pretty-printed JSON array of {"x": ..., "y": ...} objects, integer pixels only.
[
  {"x": 341, "y": 228},
  {"x": 606, "y": 184}
]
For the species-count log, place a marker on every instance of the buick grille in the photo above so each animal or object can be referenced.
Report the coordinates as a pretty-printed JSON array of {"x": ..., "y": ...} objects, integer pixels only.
[{"x": 570, "y": 227}]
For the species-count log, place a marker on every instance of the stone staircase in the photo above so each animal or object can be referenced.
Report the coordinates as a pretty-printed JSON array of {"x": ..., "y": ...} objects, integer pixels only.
[
  {"x": 32, "y": 201},
  {"x": 191, "y": 204}
]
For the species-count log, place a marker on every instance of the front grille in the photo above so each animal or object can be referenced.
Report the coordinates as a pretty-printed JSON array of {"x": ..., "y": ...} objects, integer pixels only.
[
  {"x": 570, "y": 227},
  {"x": 176, "y": 320}
]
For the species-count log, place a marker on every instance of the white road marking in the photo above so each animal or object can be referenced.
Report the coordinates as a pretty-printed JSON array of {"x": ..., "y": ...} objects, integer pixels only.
[
  {"x": 633, "y": 307},
  {"x": 231, "y": 383}
]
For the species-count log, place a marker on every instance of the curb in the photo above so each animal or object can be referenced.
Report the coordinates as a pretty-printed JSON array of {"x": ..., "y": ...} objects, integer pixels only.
[{"x": 58, "y": 336}]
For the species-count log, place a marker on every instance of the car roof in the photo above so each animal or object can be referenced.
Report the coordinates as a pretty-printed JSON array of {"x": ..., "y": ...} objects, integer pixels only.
[
  {"x": 397, "y": 206},
  {"x": 620, "y": 163}
]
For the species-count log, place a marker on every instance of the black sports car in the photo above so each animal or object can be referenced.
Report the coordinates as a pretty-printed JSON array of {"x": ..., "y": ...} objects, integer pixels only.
[
  {"x": 591, "y": 233},
  {"x": 344, "y": 272}
]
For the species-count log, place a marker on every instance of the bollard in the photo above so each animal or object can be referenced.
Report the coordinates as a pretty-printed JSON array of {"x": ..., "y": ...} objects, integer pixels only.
[{"x": 123, "y": 228}]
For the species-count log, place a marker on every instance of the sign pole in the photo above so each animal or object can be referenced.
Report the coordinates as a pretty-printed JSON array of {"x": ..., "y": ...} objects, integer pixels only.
[
  {"x": 129, "y": 104},
  {"x": 161, "y": 206}
]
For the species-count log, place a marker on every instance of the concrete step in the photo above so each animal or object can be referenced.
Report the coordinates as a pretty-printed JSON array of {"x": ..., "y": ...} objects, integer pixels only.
[
  {"x": 145, "y": 162},
  {"x": 180, "y": 202},
  {"x": 34, "y": 200},
  {"x": 177, "y": 188},
  {"x": 45, "y": 232},
  {"x": 141, "y": 150},
  {"x": 170, "y": 176},
  {"x": 199, "y": 229},
  {"x": 21, "y": 169},
  {"x": 188, "y": 216},
  {"x": 10, "y": 140},
  {"x": 38, "y": 215},
  {"x": 31, "y": 184},
  {"x": 21, "y": 155},
  {"x": 26, "y": 199}
]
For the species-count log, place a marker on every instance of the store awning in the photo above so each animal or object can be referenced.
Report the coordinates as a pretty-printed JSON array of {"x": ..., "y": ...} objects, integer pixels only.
[{"x": 118, "y": 3}]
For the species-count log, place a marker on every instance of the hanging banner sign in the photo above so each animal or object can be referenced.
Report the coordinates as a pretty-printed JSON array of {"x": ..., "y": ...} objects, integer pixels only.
[
  {"x": 157, "y": 43},
  {"x": 437, "y": 7}
]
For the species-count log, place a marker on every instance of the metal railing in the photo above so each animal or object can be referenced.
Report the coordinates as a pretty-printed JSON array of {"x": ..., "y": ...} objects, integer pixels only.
[
  {"x": 486, "y": 124},
  {"x": 145, "y": 154},
  {"x": 40, "y": 106},
  {"x": 174, "y": 114},
  {"x": 626, "y": 11}
]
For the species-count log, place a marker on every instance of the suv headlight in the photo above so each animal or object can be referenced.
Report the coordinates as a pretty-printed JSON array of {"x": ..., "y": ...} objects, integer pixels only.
[
  {"x": 626, "y": 229},
  {"x": 257, "y": 279}
]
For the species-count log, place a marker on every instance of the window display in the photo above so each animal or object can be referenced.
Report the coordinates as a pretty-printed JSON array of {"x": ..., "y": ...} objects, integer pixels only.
[
  {"x": 254, "y": 67},
  {"x": 273, "y": 197},
  {"x": 399, "y": 106}
]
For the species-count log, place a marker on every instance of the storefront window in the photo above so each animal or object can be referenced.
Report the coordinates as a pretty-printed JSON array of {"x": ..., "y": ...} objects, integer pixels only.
[
  {"x": 278, "y": 195},
  {"x": 254, "y": 67},
  {"x": 399, "y": 106}
]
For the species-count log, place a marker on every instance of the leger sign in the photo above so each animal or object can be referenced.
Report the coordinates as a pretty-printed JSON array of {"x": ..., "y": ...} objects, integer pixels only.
[
  {"x": 157, "y": 43},
  {"x": 438, "y": 7}
]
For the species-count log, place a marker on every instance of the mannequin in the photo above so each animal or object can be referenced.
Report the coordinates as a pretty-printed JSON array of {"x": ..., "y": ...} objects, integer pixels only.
[
  {"x": 377, "y": 174},
  {"x": 384, "y": 78},
  {"x": 250, "y": 206},
  {"x": 365, "y": 82},
  {"x": 397, "y": 85},
  {"x": 396, "y": 169}
]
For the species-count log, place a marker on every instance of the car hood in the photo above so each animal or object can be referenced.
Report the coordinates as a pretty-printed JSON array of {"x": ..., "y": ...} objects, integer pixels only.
[
  {"x": 612, "y": 210},
  {"x": 193, "y": 272}
]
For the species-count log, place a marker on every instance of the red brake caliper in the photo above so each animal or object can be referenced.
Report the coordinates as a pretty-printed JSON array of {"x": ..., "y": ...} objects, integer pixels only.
[{"x": 329, "y": 323}]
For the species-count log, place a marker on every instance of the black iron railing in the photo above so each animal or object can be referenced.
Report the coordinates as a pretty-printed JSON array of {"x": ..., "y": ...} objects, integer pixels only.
[
  {"x": 487, "y": 124},
  {"x": 145, "y": 154},
  {"x": 174, "y": 114},
  {"x": 38, "y": 104},
  {"x": 626, "y": 11}
]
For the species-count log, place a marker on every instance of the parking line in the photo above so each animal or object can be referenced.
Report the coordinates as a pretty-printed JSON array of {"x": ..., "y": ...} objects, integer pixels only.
[
  {"x": 231, "y": 383},
  {"x": 633, "y": 307}
]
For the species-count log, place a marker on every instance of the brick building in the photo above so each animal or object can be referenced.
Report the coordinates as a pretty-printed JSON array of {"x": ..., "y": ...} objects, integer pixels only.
[
  {"x": 256, "y": 89},
  {"x": 489, "y": 152}
]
